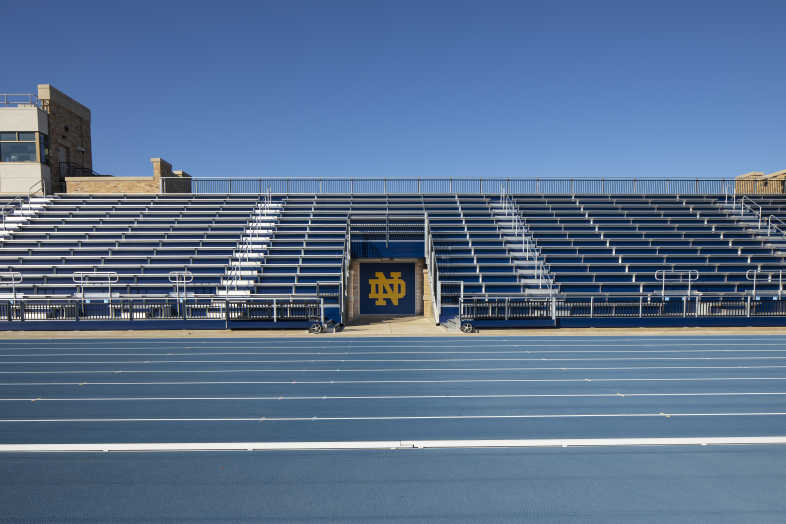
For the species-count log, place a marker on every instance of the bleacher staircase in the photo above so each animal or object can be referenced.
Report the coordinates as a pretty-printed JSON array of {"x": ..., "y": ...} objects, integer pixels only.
[
  {"x": 243, "y": 270},
  {"x": 17, "y": 214},
  {"x": 522, "y": 247}
]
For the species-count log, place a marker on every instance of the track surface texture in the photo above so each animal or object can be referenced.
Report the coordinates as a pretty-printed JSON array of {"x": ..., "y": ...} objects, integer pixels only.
[{"x": 302, "y": 391}]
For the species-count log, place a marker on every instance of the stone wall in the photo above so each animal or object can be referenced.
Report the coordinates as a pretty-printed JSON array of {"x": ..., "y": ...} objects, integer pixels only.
[
  {"x": 757, "y": 182},
  {"x": 136, "y": 184},
  {"x": 69, "y": 132}
]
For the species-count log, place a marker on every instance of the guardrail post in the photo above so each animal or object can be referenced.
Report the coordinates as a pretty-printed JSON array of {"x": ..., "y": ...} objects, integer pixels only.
[
  {"x": 641, "y": 306},
  {"x": 748, "y": 307},
  {"x": 592, "y": 307}
]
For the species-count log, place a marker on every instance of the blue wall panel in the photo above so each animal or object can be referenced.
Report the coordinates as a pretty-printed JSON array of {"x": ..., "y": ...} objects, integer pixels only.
[{"x": 387, "y": 288}]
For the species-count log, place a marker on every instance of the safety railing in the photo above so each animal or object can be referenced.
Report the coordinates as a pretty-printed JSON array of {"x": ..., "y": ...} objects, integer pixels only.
[
  {"x": 102, "y": 279},
  {"x": 776, "y": 226},
  {"x": 743, "y": 204},
  {"x": 665, "y": 276},
  {"x": 757, "y": 275},
  {"x": 181, "y": 279},
  {"x": 268, "y": 308},
  {"x": 345, "y": 265},
  {"x": 19, "y": 99},
  {"x": 736, "y": 305},
  {"x": 393, "y": 186},
  {"x": 19, "y": 200},
  {"x": 433, "y": 271},
  {"x": 11, "y": 279}
]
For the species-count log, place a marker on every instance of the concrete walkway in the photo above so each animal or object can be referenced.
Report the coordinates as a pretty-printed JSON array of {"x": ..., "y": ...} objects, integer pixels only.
[{"x": 395, "y": 327}]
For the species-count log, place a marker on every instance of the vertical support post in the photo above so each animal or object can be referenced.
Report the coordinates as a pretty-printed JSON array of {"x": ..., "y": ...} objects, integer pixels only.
[
  {"x": 592, "y": 306},
  {"x": 641, "y": 306}
]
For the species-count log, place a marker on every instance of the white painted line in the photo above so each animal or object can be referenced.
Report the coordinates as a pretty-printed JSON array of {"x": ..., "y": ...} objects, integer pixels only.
[
  {"x": 375, "y": 360},
  {"x": 355, "y": 353},
  {"x": 395, "y": 397},
  {"x": 339, "y": 382},
  {"x": 403, "y": 417},
  {"x": 387, "y": 444},
  {"x": 369, "y": 370}
]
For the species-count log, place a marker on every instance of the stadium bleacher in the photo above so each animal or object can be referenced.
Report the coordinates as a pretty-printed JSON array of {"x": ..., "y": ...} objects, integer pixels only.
[{"x": 522, "y": 250}]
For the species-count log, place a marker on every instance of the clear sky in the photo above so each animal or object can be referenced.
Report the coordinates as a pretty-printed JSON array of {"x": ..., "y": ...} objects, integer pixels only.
[{"x": 415, "y": 89}]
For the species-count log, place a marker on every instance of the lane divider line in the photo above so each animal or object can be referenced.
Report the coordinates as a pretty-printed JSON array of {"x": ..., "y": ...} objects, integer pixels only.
[{"x": 387, "y": 444}]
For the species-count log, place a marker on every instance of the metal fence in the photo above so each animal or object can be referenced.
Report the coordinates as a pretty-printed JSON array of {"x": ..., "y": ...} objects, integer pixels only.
[
  {"x": 262, "y": 309},
  {"x": 401, "y": 186},
  {"x": 642, "y": 306}
]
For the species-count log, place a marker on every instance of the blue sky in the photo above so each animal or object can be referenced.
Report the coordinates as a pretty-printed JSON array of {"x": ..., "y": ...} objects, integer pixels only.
[{"x": 415, "y": 89}]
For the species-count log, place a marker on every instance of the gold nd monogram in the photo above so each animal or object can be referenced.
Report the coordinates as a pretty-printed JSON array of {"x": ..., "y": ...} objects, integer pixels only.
[{"x": 383, "y": 288}]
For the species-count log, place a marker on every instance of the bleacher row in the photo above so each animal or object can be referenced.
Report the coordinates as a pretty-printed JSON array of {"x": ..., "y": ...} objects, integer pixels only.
[
  {"x": 605, "y": 244},
  {"x": 591, "y": 244}
]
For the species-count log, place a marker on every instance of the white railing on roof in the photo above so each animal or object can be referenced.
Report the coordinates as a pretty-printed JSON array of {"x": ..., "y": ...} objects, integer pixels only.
[
  {"x": 19, "y": 99},
  {"x": 402, "y": 186}
]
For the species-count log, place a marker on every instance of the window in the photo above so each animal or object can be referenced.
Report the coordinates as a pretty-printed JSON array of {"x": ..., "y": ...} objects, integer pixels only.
[
  {"x": 17, "y": 147},
  {"x": 43, "y": 146}
]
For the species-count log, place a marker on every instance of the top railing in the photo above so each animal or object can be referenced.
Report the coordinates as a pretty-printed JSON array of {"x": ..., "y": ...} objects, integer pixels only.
[
  {"x": 21, "y": 99},
  {"x": 403, "y": 186}
]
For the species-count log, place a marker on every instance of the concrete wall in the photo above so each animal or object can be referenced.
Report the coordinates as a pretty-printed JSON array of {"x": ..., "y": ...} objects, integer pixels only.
[
  {"x": 353, "y": 305},
  {"x": 25, "y": 118},
  {"x": 136, "y": 184},
  {"x": 19, "y": 177}
]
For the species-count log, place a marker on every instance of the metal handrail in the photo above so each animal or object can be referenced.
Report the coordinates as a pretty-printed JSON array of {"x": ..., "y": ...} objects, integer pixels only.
[
  {"x": 752, "y": 275},
  {"x": 19, "y": 200},
  {"x": 433, "y": 270},
  {"x": 13, "y": 278},
  {"x": 452, "y": 185},
  {"x": 8, "y": 99},
  {"x": 687, "y": 275},
  {"x": 775, "y": 224},
  {"x": 345, "y": 265},
  {"x": 102, "y": 278},
  {"x": 752, "y": 206},
  {"x": 184, "y": 277}
]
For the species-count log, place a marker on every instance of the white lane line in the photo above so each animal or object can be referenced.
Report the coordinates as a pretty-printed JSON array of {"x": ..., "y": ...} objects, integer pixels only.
[
  {"x": 448, "y": 345},
  {"x": 328, "y": 382},
  {"x": 396, "y": 418},
  {"x": 376, "y": 360},
  {"x": 367, "y": 370},
  {"x": 389, "y": 444},
  {"x": 395, "y": 397},
  {"x": 356, "y": 353}
]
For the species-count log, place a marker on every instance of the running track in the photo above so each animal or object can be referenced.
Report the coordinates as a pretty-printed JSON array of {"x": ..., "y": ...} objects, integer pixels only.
[{"x": 397, "y": 393}]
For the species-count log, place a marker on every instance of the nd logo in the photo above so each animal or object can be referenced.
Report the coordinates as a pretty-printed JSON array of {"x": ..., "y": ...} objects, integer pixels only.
[{"x": 383, "y": 288}]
